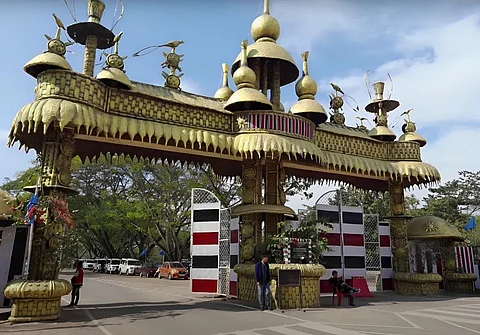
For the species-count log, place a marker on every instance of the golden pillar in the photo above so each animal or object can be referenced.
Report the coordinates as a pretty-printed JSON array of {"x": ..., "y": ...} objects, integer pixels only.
[
  {"x": 38, "y": 298},
  {"x": 398, "y": 228}
]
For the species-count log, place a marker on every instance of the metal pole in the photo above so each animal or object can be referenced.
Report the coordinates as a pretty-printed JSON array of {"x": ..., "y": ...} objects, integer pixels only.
[{"x": 340, "y": 223}]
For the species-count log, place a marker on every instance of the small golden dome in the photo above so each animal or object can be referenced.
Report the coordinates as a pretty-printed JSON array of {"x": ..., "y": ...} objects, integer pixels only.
[
  {"x": 265, "y": 26},
  {"x": 224, "y": 92},
  {"x": 382, "y": 133},
  {"x": 246, "y": 97},
  {"x": 53, "y": 58},
  {"x": 306, "y": 89},
  {"x": 114, "y": 77},
  {"x": 409, "y": 131},
  {"x": 46, "y": 61},
  {"x": 244, "y": 75},
  {"x": 432, "y": 227}
]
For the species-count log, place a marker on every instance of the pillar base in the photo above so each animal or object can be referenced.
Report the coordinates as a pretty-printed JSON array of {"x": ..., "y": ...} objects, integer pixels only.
[
  {"x": 34, "y": 301},
  {"x": 417, "y": 283},
  {"x": 461, "y": 282},
  {"x": 310, "y": 275}
]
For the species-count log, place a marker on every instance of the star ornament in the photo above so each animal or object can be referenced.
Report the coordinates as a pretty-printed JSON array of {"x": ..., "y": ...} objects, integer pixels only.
[
  {"x": 242, "y": 123},
  {"x": 430, "y": 227}
]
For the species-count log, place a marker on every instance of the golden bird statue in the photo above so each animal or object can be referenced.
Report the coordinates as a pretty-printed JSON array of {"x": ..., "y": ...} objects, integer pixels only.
[{"x": 337, "y": 89}]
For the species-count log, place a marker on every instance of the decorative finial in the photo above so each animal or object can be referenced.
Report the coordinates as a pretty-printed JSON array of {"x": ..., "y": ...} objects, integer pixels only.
[
  {"x": 172, "y": 62},
  {"x": 224, "y": 92},
  {"x": 336, "y": 105},
  {"x": 55, "y": 45},
  {"x": 410, "y": 131},
  {"x": 114, "y": 60},
  {"x": 381, "y": 107},
  {"x": 306, "y": 88},
  {"x": 247, "y": 97},
  {"x": 244, "y": 76},
  {"x": 265, "y": 26},
  {"x": 362, "y": 125},
  {"x": 95, "y": 10},
  {"x": 113, "y": 74}
]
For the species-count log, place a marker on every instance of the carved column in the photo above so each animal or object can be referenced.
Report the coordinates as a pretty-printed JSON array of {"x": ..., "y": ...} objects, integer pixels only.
[
  {"x": 274, "y": 192},
  {"x": 251, "y": 230},
  {"x": 398, "y": 228},
  {"x": 90, "y": 55},
  {"x": 57, "y": 153}
]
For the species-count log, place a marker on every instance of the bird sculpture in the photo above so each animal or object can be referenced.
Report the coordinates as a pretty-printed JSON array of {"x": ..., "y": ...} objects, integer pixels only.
[
  {"x": 337, "y": 89},
  {"x": 407, "y": 113},
  {"x": 172, "y": 44},
  {"x": 59, "y": 22}
]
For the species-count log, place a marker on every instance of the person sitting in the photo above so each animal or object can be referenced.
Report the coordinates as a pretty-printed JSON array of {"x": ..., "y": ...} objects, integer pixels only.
[{"x": 343, "y": 288}]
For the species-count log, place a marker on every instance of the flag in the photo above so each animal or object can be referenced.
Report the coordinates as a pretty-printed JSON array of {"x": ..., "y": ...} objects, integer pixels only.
[
  {"x": 471, "y": 225},
  {"x": 31, "y": 204}
]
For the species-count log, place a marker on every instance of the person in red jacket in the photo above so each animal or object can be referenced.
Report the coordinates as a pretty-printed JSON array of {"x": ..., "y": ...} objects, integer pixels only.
[{"x": 77, "y": 282}]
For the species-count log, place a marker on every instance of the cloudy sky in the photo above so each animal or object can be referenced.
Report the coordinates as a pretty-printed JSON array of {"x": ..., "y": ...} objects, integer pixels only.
[{"x": 430, "y": 48}]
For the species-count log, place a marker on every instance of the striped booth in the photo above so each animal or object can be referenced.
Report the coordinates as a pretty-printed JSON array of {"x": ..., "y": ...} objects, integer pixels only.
[{"x": 354, "y": 250}]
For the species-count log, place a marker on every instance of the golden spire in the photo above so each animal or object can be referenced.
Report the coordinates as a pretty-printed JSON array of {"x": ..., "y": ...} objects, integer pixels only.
[
  {"x": 265, "y": 26},
  {"x": 306, "y": 89},
  {"x": 410, "y": 131},
  {"x": 381, "y": 107},
  {"x": 246, "y": 97},
  {"x": 113, "y": 74},
  {"x": 224, "y": 92}
]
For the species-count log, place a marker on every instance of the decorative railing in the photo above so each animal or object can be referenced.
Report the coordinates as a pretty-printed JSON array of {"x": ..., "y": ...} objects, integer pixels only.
[{"x": 276, "y": 122}]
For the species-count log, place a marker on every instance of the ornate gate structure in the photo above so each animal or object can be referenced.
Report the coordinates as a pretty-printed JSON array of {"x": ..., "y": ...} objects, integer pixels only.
[{"x": 246, "y": 133}]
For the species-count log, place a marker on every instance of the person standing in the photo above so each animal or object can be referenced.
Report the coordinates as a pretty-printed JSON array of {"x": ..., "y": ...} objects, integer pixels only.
[
  {"x": 262, "y": 276},
  {"x": 77, "y": 283}
]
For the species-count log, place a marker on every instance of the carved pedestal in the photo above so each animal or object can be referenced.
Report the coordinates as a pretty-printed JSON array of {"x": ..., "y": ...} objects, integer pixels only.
[
  {"x": 417, "y": 283},
  {"x": 34, "y": 301},
  {"x": 460, "y": 282},
  {"x": 310, "y": 275}
]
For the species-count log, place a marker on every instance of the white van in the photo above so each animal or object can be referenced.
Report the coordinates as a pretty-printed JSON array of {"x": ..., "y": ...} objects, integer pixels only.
[
  {"x": 129, "y": 266},
  {"x": 99, "y": 265},
  {"x": 113, "y": 265},
  {"x": 88, "y": 264}
]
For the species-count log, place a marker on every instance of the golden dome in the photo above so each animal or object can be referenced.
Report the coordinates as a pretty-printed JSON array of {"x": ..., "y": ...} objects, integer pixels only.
[
  {"x": 306, "y": 89},
  {"x": 224, "y": 92},
  {"x": 265, "y": 32},
  {"x": 265, "y": 26},
  {"x": 409, "y": 132},
  {"x": 46, "y": 61},
  {"x": 432, "y": 227},
  {"x": 246, "y": 97},
  {"x": 382, "y": 133},
  {"x": 114, "y": 77},
  {"x": 6, "y": 203}
]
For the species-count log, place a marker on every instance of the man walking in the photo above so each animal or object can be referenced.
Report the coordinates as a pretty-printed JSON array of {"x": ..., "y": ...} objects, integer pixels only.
[
  {"x": 77, "y": 282},
  {"x": 343, "y": 288},
  {"x": 262, "y": 276}
]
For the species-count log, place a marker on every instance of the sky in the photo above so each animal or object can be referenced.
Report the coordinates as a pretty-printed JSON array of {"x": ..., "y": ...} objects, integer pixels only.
[{"x": 430, "y": 48}]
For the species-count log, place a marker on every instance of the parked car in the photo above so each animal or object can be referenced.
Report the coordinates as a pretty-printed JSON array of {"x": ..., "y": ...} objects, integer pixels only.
[
  {"x": 129, "y": 266},
  {"x": 148, "y": 270},
  {"x": 113, "y": 265},
  {"x": 173, "y": 270},
  {"x": 88, "y": 264},
  {"x": 99, "y": 265}
]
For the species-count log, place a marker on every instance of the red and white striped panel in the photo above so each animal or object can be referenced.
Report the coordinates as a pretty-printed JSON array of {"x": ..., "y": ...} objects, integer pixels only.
[
  {"x": 234, "y": 255},
  {"x": 386, "y": 256},
  {"x": 205, "y": 231},
  {"x": 465, "y": 259}
]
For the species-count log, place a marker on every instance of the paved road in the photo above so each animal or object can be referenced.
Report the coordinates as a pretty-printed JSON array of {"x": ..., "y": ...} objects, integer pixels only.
[{"x": 114, "y": 305}]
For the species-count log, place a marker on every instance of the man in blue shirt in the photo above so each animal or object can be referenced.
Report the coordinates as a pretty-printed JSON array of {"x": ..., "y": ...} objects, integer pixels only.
[{"x": 262, "y": 276}]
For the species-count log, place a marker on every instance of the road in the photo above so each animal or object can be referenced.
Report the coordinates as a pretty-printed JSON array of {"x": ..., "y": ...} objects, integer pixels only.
[{"x": 119, "y": 305}]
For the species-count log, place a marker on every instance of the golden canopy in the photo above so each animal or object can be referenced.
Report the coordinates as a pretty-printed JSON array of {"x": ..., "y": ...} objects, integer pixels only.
[{"x": 432, "y": 227}]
